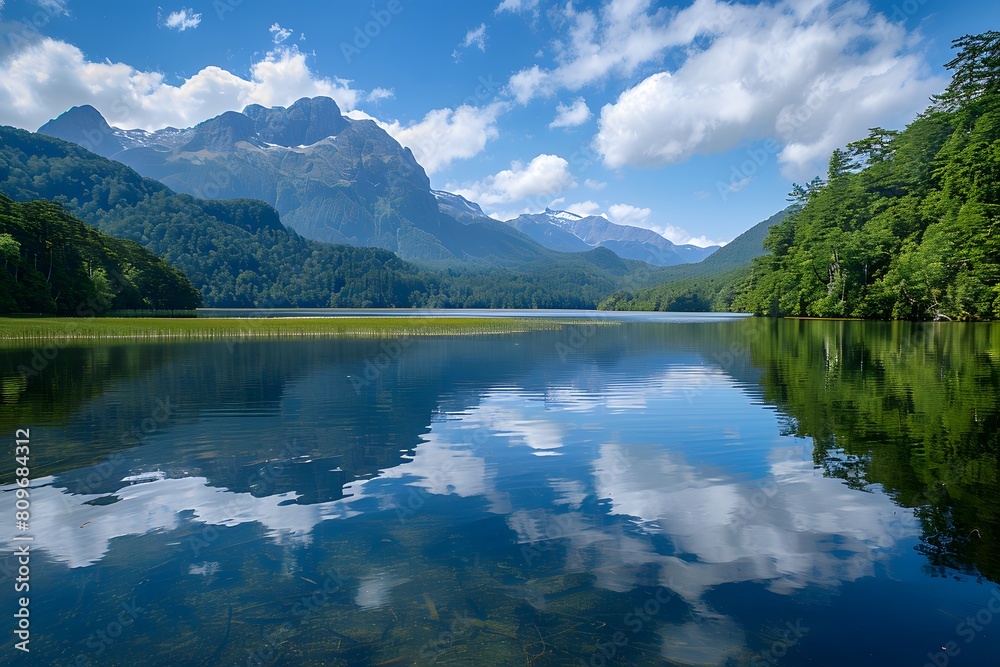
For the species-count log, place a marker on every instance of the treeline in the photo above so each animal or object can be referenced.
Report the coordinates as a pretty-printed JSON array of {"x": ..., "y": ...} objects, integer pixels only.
[
  {"x": 709, "y": 285},
  {"x": 52, "y": 263},
  {"x": 688, "y": 295},
  {"x": 905, "y": 225},
  {"x": 238, "y": 254}
]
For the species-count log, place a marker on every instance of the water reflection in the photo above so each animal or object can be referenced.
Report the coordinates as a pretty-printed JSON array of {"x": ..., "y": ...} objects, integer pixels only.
[{"x": 498, "y": 500}]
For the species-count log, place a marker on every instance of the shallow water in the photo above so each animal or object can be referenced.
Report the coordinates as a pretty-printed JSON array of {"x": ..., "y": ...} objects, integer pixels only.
[{"x": 646, "y": 492}]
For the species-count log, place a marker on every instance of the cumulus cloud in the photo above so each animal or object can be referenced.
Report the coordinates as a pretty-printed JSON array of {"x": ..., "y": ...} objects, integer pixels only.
[
  {"x": 625, "y": 214},
  {"x": 279, "y": 34},
  {"x": 182, "y": 20},
  {"x": 680, "y": 236},
  {"x": 446, "y": 135},
  {"x": 811, "y": 75},
  {"x": 528, "y": 83},
  {"x": 49, "y": 76},
  {"x": 572, "y": 115},
  {"x": 545, "y": 176},
  {"x": 617, "y": 38},
  {"x": 594, "y": 184},
  {"x": 586, "y": 208}
]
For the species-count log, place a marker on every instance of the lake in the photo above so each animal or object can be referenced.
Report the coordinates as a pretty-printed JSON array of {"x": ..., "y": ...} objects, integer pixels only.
[{"x": 679, "y": 490}]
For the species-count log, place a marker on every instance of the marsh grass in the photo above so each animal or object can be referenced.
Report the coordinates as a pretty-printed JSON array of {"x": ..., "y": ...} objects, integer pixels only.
[{"x": 19, "y": 331}]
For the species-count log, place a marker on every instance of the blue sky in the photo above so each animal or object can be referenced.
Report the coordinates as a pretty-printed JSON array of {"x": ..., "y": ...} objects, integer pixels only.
[{"x": 689, "y": 118}]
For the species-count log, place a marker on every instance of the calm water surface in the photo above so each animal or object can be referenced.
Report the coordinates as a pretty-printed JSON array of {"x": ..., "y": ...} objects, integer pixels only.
[{"x": 677, "y": 492}]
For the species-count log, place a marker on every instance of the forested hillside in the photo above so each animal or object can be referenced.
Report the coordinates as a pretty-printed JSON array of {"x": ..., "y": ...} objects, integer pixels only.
[
  {"x": 238, "y": 254},
  {"x": 906, "y": 223},
  {"x": 707, "y": 285},
  {"x": 53, "y": 263}
]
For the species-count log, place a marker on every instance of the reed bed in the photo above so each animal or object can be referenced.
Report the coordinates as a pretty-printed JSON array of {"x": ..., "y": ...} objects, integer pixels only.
[{"x": 15, "y": 331}]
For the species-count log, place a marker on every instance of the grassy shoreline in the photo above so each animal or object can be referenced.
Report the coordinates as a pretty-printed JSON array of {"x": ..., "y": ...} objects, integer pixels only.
[{"x": 14, "y": 331}]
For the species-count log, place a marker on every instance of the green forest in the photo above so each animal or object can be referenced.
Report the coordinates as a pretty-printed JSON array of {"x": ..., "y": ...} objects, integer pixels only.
[
  {"x": 905, "y": 225},
  {"x": 238, "y": 254},
  {"x": 55, "y": 264},
  {"x": 709, "y": 285}
]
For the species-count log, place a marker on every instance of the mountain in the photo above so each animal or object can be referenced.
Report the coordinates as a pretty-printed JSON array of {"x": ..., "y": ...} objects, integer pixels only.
[
  {"x": 238, "y": 254},
  {"x": 459, "y": 207},
  {"x": 710, "y": 284},
  {"x": 330, "y": 178},
  {"x": 53, "y": 263},
  {"x": 569, "y": 232}
]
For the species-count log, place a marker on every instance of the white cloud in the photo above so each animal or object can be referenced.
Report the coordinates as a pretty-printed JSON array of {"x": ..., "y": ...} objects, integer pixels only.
[
  {"x": 811, "y": 75},
  {"x": 182, "y": 20},
  {"x": 585, "y": 208},
  {"x": 379, "y": 94},
  {"x": 595, "y": 185},
  {"x": 618, "y": 38},
  {"x": 446, "y": 135},
  {"x": 517, "y": 6},
  {"x": 279, "y": 34},
  {"x": 575, "y": 114},
  {"x": 681, "y": 236},
  {"x": 53, "y": 7},
  {"x": 49, "y": 76},
  {"x": 545, "y": 176},
  {"x": 625, "y": 214},
  {"x": 476, "y": 37},
  {"x": 528, "y": 83}
]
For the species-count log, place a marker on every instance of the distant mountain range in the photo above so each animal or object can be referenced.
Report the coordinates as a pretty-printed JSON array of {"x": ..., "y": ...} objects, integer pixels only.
[
  {"x": 347, "y": 181},
  {"x": 569, "y": 232},
  {"x": 237, "y": 253}
]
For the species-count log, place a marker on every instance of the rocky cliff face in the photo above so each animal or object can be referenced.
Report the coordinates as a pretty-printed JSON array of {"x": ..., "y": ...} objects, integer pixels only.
[{"x": 331, "y": 178}]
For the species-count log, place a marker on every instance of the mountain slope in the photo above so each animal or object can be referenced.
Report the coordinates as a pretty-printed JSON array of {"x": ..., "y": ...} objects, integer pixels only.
[
  {"x": 710, "y": 284},
  {"x": 329, "y": 177},
  {"x": 238, "y": 254},
  {"x": 905, "y": 226},
  {"x": 53, "y": 263},
  {"x": 567, "y": 232}
]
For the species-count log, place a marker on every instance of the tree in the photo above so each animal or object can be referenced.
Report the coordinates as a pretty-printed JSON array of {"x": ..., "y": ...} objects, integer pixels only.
[
  {"x": 10, "y": 249},
  {"x": 976, "y": 70},
  {"x": 874, "y": 148}
]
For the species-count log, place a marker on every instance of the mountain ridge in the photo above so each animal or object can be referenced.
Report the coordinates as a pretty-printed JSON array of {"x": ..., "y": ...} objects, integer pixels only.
[
  {"x": 568, "y": 232},
  {"x": 330, "y": 178}
]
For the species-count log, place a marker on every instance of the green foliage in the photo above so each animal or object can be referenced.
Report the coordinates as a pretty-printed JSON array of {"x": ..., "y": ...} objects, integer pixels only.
[
  {"x": 910, "y": 230},
  {"x": 238, "y": 254},
  {"x": 705, "y": 286},
  {"x": 54, "y": 263}
]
